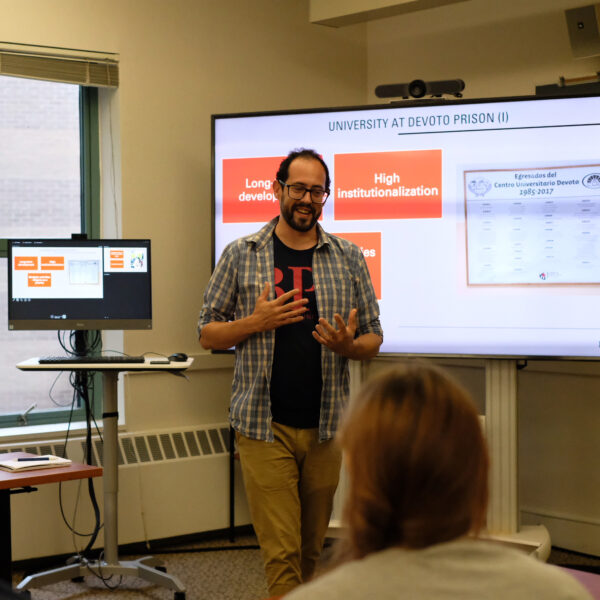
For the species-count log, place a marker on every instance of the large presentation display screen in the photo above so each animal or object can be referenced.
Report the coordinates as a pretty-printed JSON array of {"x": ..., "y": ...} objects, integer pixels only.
[
  {"x": 79, "y": 284},
  {"x": 479, "y": 220}
]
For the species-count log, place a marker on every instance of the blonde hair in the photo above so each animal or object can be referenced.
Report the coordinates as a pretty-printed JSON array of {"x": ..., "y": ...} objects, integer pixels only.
[{"x": 417, "y": 462}]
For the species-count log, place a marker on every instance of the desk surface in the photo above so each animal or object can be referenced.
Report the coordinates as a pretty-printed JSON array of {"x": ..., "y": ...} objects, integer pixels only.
[
  {"x": 33, "y": 364},
  {"x": 10, "y": 480}
]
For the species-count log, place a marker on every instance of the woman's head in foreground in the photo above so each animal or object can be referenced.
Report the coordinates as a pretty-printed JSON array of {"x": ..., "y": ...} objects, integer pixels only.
[{"x": 417, "y": 462}]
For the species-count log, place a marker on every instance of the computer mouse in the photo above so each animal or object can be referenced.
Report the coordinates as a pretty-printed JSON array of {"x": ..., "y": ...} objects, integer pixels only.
[{"x": 178, "y": 357}]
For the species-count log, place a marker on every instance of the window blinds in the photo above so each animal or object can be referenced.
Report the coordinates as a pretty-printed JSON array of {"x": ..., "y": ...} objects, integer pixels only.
[{"x": 66, "y": 67}]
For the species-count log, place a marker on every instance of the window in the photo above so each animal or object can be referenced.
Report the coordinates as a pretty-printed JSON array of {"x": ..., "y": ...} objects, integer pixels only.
[{"x": 48, "y": 188}]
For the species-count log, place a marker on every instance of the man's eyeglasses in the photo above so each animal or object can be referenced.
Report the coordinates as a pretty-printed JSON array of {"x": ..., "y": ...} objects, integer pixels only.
[{"x": 297, "y": 191}]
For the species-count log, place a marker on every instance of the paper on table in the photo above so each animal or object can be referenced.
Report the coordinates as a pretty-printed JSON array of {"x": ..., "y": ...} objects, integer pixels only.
[{"x": 49, "y": 462}]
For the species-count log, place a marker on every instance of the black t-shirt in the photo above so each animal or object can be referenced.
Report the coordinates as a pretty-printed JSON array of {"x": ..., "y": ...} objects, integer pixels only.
[{"x": 296, "y": 375}]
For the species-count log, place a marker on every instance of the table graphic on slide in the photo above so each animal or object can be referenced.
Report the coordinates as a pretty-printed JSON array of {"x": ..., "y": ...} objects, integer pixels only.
[{"x": 533, "y": 225}]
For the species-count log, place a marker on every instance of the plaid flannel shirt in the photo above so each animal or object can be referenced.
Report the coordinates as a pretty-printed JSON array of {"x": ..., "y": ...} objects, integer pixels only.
[{"x": 341, "y": 282}]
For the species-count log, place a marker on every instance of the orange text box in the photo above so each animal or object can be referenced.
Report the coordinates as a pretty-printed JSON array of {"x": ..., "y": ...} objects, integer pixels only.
[
  {"x": 370, "y": 245},
  {"x": 52, "y": 263},
  {"x": 26, "y": 263},
  {"x": 389, "y": 185},
  {"x": 117, "y": 254},
  {"x": 247, "y": 189},
  {"x": 117, "y": 264},
  {"x": 39, "y": 279}
]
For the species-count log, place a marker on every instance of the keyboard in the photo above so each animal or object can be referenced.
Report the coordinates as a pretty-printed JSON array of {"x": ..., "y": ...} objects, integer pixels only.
[{"x": 110, "y": 359}]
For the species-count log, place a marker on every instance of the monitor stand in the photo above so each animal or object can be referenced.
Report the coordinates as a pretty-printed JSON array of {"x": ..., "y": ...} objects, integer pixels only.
[{"x": 147, "y": 568}]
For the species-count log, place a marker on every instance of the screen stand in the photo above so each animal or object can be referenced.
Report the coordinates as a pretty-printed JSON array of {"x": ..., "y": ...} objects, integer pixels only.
[
  {"x": 143, "y": 568},
  {"x": 501, "y": 434}
]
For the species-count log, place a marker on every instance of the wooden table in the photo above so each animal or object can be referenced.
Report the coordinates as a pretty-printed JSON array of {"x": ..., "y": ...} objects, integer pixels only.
[{"x": 14, "y": 483}]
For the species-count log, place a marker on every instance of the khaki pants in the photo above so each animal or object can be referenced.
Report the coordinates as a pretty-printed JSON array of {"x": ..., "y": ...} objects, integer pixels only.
[{"x": 290, "y": 485}]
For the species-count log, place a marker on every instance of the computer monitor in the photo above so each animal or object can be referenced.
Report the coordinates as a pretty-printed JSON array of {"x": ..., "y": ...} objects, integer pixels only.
[
  {"x": 79, "y": 284},
  {"x": 479, "y": 220}
]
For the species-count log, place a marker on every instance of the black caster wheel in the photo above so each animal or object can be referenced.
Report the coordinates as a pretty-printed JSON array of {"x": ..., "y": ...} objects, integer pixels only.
[
  {"x": 78, "y": 579},
  {"x": 25, "y": 595},
  {"x": 179, "y": 596},
  {"x": 161, "y": 568}
]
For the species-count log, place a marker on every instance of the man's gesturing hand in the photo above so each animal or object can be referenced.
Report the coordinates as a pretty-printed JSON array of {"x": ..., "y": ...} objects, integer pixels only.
[
  {"x": 270, "y": 314},
  {"x": 340, "y": 340}
]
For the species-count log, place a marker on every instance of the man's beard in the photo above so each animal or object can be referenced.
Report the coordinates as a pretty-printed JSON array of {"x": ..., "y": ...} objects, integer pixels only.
[{"x": 288, "y": 215}]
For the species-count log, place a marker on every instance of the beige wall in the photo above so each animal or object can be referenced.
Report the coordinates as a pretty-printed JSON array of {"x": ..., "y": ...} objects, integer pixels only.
[
  {"x": 506, "y": 49},
  {"x": 499, "y": 48}
]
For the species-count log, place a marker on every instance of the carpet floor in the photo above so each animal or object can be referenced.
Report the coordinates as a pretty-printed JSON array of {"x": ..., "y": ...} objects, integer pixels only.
[{"x": 213, "y": 571}]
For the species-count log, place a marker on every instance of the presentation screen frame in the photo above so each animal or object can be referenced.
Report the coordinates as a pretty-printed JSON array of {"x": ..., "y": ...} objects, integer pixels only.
[
  {"x": 443, "y": 247},
  {"x": 79, "y": 284}
]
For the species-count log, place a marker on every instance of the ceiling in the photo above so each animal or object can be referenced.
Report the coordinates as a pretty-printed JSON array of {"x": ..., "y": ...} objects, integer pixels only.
[{"x": 338, "y": 13}]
